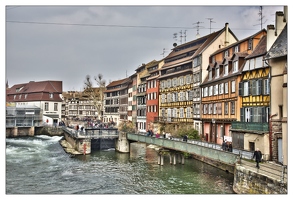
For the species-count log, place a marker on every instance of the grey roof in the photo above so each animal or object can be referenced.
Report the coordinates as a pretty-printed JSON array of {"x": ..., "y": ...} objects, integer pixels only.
[{"x": 280, "y": 46}]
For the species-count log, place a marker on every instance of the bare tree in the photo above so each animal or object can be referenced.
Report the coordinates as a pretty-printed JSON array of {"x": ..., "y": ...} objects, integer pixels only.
[{"x": 95, "y": 94}]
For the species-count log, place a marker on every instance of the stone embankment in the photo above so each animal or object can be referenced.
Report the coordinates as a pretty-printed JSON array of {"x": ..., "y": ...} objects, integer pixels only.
[{"x": 68, "y": 148}]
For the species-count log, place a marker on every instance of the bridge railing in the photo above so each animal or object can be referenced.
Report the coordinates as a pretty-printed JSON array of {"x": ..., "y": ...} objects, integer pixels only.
[
  {"x": 240, "y": 152},
  {"x": 92, "y": 132}
]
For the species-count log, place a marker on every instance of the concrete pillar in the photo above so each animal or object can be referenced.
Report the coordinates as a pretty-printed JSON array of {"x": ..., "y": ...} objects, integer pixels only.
[
  {"x": 122, "y": 143},
  {"x": 170, "y": 156},
  {"x": 162, "y": 159},
  {"x": 182, "y": 159},
  {"x": 159, "y": 159},
  {"x": 174, "y": 159}
]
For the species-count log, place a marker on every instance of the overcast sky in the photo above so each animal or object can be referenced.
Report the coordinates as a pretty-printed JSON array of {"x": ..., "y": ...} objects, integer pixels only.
[{"x": 66, "y": 43}]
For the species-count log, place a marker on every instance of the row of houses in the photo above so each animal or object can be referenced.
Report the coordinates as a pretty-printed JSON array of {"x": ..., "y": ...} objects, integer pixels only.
[{"x": 225, "y": 88}]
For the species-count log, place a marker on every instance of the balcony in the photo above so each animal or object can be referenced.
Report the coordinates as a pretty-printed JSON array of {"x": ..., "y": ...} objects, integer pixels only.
[{"x": 250, "y": 126}]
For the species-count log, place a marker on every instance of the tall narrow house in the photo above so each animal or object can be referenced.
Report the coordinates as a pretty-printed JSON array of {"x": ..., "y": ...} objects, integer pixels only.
[
  {"x": 181, "y": 76},
  {"x": 220, "y": 98}
]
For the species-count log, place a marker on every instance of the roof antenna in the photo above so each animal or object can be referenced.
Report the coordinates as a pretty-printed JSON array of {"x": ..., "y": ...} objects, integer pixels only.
[
  {"x": 260, "y": 18},
  {"x": 211, "y": 23},
  {"x": 197, "y": 26}
]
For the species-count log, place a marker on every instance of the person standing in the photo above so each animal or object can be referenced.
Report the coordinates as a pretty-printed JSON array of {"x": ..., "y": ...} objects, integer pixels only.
[
  {"x": 257, "y": 155},
  {"x": 224, "y": 145}
]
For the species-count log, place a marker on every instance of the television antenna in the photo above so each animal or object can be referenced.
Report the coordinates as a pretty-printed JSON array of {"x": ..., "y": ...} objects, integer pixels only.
[
  {"x": 197, "y": 28},
  {"x": 260, "y": 18},
  {"x": 211, "y": 23}
]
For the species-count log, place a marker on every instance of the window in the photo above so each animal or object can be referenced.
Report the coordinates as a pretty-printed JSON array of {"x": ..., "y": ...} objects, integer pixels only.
[
  {"x": 46, "y": 106},
  {"x": 236, "y": 49},
  {"x": 174, "y": 82},
  {"x": 254, "y": 114},
  {"x": 181, "y": 112},
  {"x": 181, "y": 96},
  {"x": 232, "y": 86},
  {"x": 168, "y": 97},
  {"x": 221, "y": 88},
  {"x": 219, "y": 108},
  {"x": 256, "y": 87},
  {"x": 51, "y": 95},
  {"x": 197, "y": 93},
  {"x": 226, "y": 70},
  {"x": 189, "y": 95},
  {"x": 55, "y": 106},
  {"x": 232, "y": 107},
  {"x": 235, "y": 66},
  {"x": 215, "y": 108},
  {"x": 196, "y": 77},
  {"x": 226, "y": 53},
  {"x": 226, "y": 87},
  {"x": 188, "y": 112},
  {"x": 210, "y": 108},
  {"x": 210, "y": 75},
  {"x": 246, "y": 88},
  {"x": 217, "y": 72},
  {"x": 181, "y": 81},
  {"x": 211, "y": 91},
  {"x": 205, "y": 109},
  {"x": 169, "y": 83},
  {"x": 266, "y": 87},
  {"x": 196, "y": 109},
  {"x": 175, "y": 112},
  {"x": 206, "y": 91},
  {"x": 216, "y": 90},
  {"x": 226, "y": 108},
  {"x": 188, "y": 79},
  {"x": 163, "y": 98}
]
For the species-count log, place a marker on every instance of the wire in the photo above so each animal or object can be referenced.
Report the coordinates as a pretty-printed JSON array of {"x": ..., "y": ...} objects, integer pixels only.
[{"x": 112, "y": 25}]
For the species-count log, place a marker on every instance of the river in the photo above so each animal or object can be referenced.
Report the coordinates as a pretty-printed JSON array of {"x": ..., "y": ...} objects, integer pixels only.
[{"x": 39, "y": 165}]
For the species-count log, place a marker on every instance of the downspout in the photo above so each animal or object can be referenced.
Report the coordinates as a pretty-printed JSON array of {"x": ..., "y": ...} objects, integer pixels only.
[{"x": 270, "y": 116}]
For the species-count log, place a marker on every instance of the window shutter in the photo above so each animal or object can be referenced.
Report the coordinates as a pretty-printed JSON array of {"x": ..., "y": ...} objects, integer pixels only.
[{"x": 241, "y": 89}]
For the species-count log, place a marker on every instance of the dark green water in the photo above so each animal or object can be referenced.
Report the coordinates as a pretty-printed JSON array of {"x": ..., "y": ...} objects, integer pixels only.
[{"x": 39, "y": 165}]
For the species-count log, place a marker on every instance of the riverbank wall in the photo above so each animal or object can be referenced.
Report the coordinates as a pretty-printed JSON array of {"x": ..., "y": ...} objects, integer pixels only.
[{"x": 32, "y": 131}]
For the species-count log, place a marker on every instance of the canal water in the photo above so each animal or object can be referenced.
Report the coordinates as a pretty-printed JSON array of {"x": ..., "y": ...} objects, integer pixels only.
[{"x": 39, "y": 165}]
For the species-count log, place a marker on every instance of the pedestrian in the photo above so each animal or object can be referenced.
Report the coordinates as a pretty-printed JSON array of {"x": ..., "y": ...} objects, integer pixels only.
[
  {"x": 164, "y": 135},
  {"x": 224, "y": 145},
  {"x": 157, "y": 135},
  {"x": 185, "y": 138},
  {"x": 230, "y": 146},
  {"x": 257, "y": 155}
]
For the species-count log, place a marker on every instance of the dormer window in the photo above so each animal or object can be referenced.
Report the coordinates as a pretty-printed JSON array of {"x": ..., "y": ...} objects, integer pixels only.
[
  {"x": 51, "y": 95},
  {"x": 236, "y": 49},
  {"x": 226, "y": 70},
  {"x": 217, "y": 72},
  {"x": 235, "y": 66},
  {"x": 226, "y": 54},
  {"x": 210, "y": 75}
]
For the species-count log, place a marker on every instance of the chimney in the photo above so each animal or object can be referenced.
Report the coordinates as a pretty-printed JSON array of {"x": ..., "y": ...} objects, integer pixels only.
[
  {"x": 270, "y": 36},
  {"x": 226, "y": 34},
  {"x": 279, "y": 22}
]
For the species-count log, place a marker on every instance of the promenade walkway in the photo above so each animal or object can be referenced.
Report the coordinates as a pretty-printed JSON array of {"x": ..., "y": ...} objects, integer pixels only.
[{"x": 268, "y": 169}]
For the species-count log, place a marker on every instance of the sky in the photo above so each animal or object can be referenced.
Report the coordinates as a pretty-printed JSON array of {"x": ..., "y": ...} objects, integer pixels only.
[{"x": 67, "y": 42}]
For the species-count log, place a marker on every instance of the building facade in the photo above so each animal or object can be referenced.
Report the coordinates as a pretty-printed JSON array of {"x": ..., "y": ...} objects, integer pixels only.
[
  {"x": 220, "y": 98},
  {"x": 276, "y": 58},
  {"x": 45, "y": 95},
  {"x": 116, "y": 101}
]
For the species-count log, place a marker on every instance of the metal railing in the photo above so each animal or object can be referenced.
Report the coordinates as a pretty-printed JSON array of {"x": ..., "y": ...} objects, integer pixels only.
[
  {"x": 242, "y": 153},
  {"x": 93, "y": 133}
]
